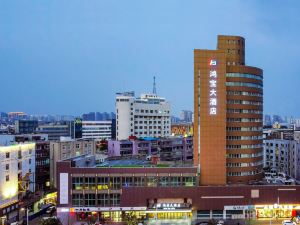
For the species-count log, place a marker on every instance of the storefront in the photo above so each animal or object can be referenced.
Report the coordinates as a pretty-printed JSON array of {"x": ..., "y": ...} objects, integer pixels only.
[{"x": 277, "y": 211}]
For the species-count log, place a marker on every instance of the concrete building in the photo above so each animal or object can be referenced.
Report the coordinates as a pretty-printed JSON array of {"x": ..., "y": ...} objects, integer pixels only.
[
  {"x": 167, "y": 149},
  {"x": 147, "y": 116},
  {"x": 57, "y": 130},
  {"x": 228, "y": 115},
  {"x": 186, "y": 116},
  {"x": 97, "y": 129},
  {"x": 283, "y": 156},
  {"x": 17, "y": 175},
  {"x": 163, "y": 196},
  {"x": 65, "y": 149},
  {"x": 26, "y": 126}
]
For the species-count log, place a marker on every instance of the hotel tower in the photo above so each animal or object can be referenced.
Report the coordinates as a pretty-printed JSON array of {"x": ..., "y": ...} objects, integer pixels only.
[{"x": 228, "y": 106}]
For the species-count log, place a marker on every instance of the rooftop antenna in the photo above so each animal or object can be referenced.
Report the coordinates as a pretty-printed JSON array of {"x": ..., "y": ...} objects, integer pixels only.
[{"x": 154, "y": 86}]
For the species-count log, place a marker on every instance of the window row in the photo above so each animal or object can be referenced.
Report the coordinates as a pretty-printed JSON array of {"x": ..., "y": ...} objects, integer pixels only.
[
  {"x": 237, "y": 156},
  {"x": 244, "y": 75},
  {"x": 96, "y": 200},
  {"x": 244, "y": 120},
  {"x": 242, "y": 102},
  {"x": 244, "y": 84},
  {"x": 244, "y": 128},
  {"x": 252, "y": 111},
  {"x": 150, "y": 111},
  {"x": 244, "y": 164},
  {"x": 244, "y": 93},
  {"x": 244, "y": 137},
  {"x": 105, "y": 183},
  {"x": 243, "y": 146},
  {"x": 247, "y": 173}
]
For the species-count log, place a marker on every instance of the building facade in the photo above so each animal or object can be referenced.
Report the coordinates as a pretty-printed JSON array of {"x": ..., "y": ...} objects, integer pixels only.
[
  {"x": 42, "y": 165},
  {"x": 97, "y": 129},
  {"x": 164, "y": 196},
  {"x": 168, "y": 149},
  {"x": 61, "y": 150},
  {"x": 147, "y": 116},
  {"x": 228, "y": 109},
  {"x": 17, "y": 175},
  {"x": 26, "y": 126}
]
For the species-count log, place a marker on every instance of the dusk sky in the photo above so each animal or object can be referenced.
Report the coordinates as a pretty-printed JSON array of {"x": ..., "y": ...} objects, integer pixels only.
[{"x": 71, "y": 57}]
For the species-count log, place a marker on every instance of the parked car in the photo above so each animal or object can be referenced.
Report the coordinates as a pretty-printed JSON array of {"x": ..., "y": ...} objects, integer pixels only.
[
  {"x": 51, "y": 210},
  {"x": 288, "y": 222}
]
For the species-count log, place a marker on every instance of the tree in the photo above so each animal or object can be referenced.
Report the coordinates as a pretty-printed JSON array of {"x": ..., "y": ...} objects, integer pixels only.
[
  {"x": 130, "y": 218},
  {"x": 50, "y": 221}
]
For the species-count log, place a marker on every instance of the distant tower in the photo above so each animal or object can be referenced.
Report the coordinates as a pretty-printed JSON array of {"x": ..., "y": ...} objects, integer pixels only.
[{"x": 154, "y": 86}]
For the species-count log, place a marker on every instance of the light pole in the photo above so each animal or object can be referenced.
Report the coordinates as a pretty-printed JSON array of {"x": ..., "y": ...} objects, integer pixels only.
[{"x": 27, "y": 212}]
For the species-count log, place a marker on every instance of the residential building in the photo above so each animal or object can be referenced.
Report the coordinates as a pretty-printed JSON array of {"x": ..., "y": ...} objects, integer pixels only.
[
  {"x": 42, "y": 163},
  {"x": 97, "y": 129},
  {"x": 26, "y": 126},
  {"x": 65, "y": 149},
  {"x": 228, "y": 115},
  {"x": 168, "y": 149},
  {"x": 17, "y": 175},
  {"x": 147, "y": 116}
]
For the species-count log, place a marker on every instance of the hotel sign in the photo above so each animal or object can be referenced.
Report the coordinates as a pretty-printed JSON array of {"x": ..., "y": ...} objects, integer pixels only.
[
  {"x": 213, "y": 75},
  {"x": 171, "y": 206}
]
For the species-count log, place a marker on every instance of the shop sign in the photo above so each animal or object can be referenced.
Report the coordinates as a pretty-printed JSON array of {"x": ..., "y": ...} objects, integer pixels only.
[
  {"x": 171, "y": 206},
  {"x": 213, "y": 75},
  {"x": 106, "y": 209},
  {"x": 236, "y": 207}
]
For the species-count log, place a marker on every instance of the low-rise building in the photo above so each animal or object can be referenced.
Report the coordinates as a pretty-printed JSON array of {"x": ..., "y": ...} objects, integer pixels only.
[
  {"x": 97, "y": 129},
  {"x": 168, "y": 149}
]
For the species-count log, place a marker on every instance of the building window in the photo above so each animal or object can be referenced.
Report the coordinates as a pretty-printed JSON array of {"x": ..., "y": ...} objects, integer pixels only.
[
  {"x": 77, "y": 183},
  {"x": 103, "y": 200},
  {"x": 175, "y": 181},
  {"x": 77, "y": 200},
  {"x": 164, "y": 181},
  {"x": 151, "y": 181},
  {"x": 90, "y": 199},
  {"x": 89, "y": 183},
  {"x": 102, "y": 183},
  {"x": 7, "y": 155},
  {"x": 7, "y": 178},
  {"x": 189, "y": 181},
  {"x": 29, "y": 161},
  {"x": 127, "y": 182},
  {"x": 139, "y": 181},
  {"x": 7, "y": 167},
  {"x": 114, "y": 199},
  {"x": 116, "y": 183}
]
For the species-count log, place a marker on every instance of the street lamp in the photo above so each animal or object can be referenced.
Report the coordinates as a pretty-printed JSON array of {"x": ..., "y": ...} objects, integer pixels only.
[{"x": 27, "y": 212}]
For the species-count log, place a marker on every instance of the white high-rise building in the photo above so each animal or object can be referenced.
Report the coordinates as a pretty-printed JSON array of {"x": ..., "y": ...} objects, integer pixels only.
[
  {"x": 147, "y": 116},
  {"x": 96, "y": 129}
]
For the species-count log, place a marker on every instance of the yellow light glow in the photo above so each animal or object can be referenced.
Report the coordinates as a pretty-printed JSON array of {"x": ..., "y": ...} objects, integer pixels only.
[
  {"x": 10, "y": 192},
  {"x": 17, "y": 147}
]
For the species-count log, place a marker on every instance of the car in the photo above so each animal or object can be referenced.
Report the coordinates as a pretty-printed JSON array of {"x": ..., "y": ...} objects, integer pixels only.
[
  {"x": 51, "y": 209},
  {"x": 220, "y": 222},
  {"x": 15, "y": 223},
  {"x": 288, "y": 222}
]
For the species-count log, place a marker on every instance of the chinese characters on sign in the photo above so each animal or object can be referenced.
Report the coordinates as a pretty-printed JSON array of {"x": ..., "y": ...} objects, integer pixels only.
[{"x": 213, "y": 87}]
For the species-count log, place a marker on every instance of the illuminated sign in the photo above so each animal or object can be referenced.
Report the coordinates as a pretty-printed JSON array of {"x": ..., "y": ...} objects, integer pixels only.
[
  {"x": 213, "y": 75},
  {"x": 171, "y": 206}
]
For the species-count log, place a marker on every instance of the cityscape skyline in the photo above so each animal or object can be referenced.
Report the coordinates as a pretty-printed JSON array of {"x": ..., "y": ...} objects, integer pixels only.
[{"x": 150, "y": 42}]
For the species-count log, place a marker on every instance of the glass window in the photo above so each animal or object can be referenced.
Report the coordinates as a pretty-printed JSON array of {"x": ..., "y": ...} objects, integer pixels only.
[
  {"x": 127, "y": 181},
  {"x": 103, "y": 200},
  {"x": 89, "y": 183},
  {"x": 151, "y": 181},
  {"x": 77, "y": 183},
  {"x": 164, "y": 181},
  {"x": 189, "y": 181},
  {"x": 77, "y": 200},
  {"x": 175, "y": 181},
  {"x": 139, "y": 181},
  {"x": 115, "y": 182},
  {"x": 102, "y": 183},
  {"x": 114, "y": 199},
  {"x": 90, "y": 199}
]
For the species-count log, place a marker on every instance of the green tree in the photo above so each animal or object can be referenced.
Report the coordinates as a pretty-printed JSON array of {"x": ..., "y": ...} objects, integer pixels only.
[
  {"x": 130, "y": 218},
  {"x": 50, "y": 221}
]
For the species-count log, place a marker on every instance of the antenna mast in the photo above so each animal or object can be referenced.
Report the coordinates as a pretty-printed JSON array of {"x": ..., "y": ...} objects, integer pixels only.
[{"x": 154, "y": 86}]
